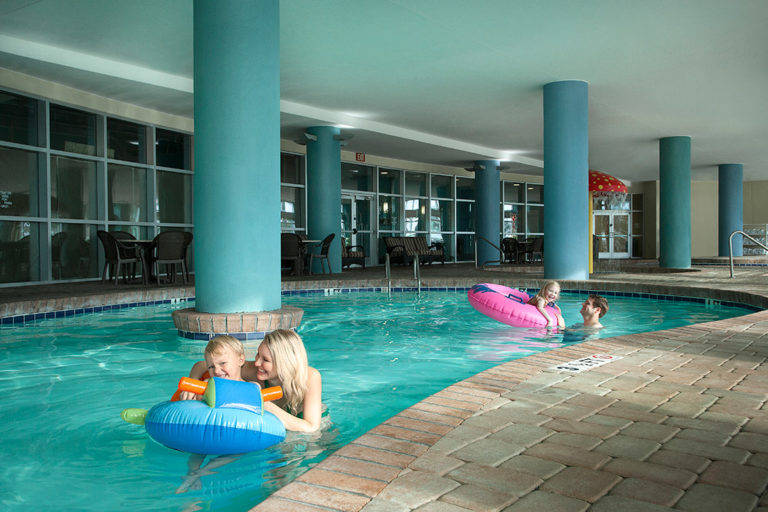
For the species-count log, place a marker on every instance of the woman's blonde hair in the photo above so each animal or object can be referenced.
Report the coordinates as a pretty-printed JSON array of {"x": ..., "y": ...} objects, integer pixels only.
[
  {"x": 226, "y": 342},
  {"x": 290, "y": 359}
]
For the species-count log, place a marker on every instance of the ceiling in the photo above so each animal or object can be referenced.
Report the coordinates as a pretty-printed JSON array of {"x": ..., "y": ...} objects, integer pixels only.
[{"x": 448, "y": 81}]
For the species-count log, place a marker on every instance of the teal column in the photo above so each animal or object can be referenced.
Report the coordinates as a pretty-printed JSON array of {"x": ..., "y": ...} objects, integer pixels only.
[
  {"x": 324, "y": 190},
  {"x": 237, "y": 155},
  {"x": 730, "y": 204},
  {"x": 488, "y": 200},
  {"x": 566, "y": 180},
  {"x": 675, "y": 202}
]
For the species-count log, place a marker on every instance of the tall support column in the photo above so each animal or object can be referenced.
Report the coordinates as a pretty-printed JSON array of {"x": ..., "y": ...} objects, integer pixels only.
[
  {"x": 730, "y": 208},
  {"x": 488, "y": 197},
  {"x": 237, "y": 155},
  {"x": 324, "y": 190},
  {"x": 566, "y": 180},
  {"x": 675, "y": 202}
]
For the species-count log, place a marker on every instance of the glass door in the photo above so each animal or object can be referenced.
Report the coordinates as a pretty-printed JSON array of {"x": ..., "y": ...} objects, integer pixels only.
[
  {"x": 612, "y": 231},
  {"x": 356, "y": 226}
]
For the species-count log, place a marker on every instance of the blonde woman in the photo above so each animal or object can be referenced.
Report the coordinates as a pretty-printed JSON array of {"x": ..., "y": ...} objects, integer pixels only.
[{"x": 281, "y": 360}]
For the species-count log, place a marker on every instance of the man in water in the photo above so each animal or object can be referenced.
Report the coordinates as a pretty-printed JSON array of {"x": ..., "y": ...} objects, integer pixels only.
[{"x": 592, "y": 310}]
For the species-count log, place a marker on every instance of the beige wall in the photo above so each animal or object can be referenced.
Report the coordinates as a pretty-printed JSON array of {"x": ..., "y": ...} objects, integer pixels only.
[
  {"x": 703, "y": 219},
  {"x": 756, "y": 202}
]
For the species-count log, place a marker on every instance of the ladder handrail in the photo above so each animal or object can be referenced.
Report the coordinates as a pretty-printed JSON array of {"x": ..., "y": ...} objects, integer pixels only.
[
  {"x": 501, "y": 252},
  {"x": 730, "y": 246},
  {"x": 416, "y": 274}
]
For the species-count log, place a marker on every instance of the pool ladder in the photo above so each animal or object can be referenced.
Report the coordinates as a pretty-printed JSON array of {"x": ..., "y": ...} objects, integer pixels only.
[
  {"x": 730, "y": 246},
  {"x": 416, "y": 274}
]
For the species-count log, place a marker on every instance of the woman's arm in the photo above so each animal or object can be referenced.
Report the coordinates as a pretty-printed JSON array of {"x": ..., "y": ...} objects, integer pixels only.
[{"x": 312, "y": 407}]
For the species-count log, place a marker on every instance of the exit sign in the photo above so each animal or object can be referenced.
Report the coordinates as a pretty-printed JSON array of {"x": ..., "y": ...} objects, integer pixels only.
[{"x": 360, "y": 157}]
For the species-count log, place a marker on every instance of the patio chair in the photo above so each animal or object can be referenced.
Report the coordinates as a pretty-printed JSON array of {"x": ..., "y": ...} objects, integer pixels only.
[
  {"x": 169, "y": 248},
  {"x": 292, "y": 253},
  {"x": 117, "y": 256},
  {"x": 537, "y": 250},
  {"x": 188, "y": 236},
  {"x": 511, "y": 249},
  {"x": 352, "y": 254},
  {"x": 325, "y": 246}
]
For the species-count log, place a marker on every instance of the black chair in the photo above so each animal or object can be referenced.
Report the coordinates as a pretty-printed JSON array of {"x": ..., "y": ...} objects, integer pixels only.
[
  {"x": 537, "y": 250},
  {"x": 188, "y": 236},
  {"x": 325, "y": 246},
  {"x": 169, "y": 248},
  {"x": 352, "y": 254},
  {"x": 511, "y": 250},
  {"x": 117, "y": 256},
  {"x": 292, "y": 253}
]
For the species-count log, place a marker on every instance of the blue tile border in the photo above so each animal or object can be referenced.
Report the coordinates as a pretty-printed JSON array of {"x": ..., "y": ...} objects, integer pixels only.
[{"x": 32, "y": 317}]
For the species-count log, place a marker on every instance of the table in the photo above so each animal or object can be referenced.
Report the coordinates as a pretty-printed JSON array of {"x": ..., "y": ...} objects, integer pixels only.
[{"x": 146, "y": 259}]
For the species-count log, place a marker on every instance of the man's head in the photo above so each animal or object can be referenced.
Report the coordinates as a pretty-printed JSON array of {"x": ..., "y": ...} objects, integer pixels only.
[{"x": 595, "y": 307}]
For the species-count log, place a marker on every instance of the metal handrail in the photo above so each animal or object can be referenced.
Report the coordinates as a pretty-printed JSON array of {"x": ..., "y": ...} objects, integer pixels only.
[
  {"x": 389, "y": 275},
  {"x": 730, "y": 246},
  {"x": 417, "y": 274},
  {"x": 501, "y": 252}
]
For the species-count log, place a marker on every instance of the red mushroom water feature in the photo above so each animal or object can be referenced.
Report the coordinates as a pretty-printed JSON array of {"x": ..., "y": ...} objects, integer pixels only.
[{"x": 601, "y": 185}]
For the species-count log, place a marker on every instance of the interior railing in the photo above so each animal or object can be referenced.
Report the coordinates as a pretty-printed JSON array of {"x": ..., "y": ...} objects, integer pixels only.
[
  {"x": 501, "y": 252},
  {"x": 730, "y": 246}
]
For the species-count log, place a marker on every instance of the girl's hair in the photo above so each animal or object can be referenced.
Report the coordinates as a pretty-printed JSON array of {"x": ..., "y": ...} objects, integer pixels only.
[
  {"x": 225, "y": 342},
  {"x": 290, "y": 359},
  {"x": 541, "y": 292}
]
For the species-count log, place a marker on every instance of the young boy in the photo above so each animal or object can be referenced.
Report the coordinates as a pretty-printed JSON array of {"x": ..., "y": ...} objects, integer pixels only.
[{"x": 224, "y": 357}]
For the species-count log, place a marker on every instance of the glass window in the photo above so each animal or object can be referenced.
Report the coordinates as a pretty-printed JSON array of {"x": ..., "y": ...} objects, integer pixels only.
[
  {"x": 415, "y": 215},
  {"x": 291, "y": 169},
  {"x": 18, "y": 183},
  {"x": 74, "y": 251},
  {"x": 73, "y": 188},
  {"x": 19, "y": 251},
  {"x": 446, "y": 241},
  {"x": 514, "y": 221},
  {"x": 173, "y": 149},
  {"x": 73, "y": 130},
  {"x": 637, "y": 201},
  {"x": 637, "y": 247},
  {"x": 415, "y": 184},
  {"x": 174, "y": 197},
  {"x": 127, "y": 193},
  {"x": 465, "y": 247},
  {"x": 291, "y": 209},
  {"x": 535, "y": 216},
  {"x": 441, "y": 216},
  {"x": 19, "y": 115},
  {"x": 465, "y": 188},
  {"x": 465, "y": 216},
  {"x": 637, "y": 223},
  {"x": 126, "y": 141},
  {"x": 442, "y": 186},
  {"x": 389, "y": 181},
  {"x": 389, "y": 213},
  {"x": 139, "y": 232},
  {"x": 356, "y": 177},
  {"x": 535, "y": 193},
  {"x": 513, "y": 192}
]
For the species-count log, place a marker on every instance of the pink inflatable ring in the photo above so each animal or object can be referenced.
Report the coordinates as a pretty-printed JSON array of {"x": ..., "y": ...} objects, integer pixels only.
[{"x": 507, "y": 305}]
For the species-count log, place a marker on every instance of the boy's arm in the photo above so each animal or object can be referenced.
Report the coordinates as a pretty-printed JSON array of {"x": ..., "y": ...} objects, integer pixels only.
[{"x": 197, "y": 371}]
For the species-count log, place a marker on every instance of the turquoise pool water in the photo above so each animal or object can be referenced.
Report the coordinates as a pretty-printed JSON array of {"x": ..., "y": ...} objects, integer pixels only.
[{"x": 65, "y": 382}]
